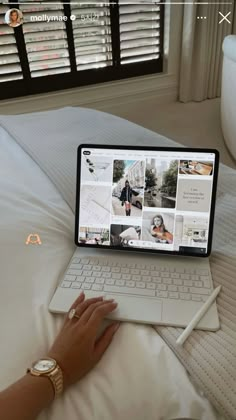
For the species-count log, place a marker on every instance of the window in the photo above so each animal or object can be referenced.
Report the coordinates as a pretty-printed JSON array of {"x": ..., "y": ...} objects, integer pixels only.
[{"x": 64, "y": 44}]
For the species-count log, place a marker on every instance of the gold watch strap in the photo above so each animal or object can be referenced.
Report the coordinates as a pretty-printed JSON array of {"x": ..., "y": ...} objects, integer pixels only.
[{"x": 56, "y": 378}]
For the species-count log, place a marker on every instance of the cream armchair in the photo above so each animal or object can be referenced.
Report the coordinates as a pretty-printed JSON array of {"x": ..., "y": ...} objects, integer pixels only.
[{"x": 228, "y": 97}]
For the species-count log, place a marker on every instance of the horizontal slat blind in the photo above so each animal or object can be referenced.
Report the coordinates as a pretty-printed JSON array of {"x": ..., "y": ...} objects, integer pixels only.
[
  {"x": 46, "y": 42},
  {"x": 69, "y": 43},
  {"x": 10, "y": 68},
  {"x": 139, "y": 32},
  {"x": 92, "y": 35}
]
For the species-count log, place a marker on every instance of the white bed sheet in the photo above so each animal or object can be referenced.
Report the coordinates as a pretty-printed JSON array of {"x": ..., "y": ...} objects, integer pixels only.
[{"x": 139, "y": 377}]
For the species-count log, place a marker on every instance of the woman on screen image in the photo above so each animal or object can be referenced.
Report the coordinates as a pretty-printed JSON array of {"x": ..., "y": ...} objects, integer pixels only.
[
  {"x": 15, "y": 18},
  {"x": 126, "y": 198},
  {"x": 159, "y": 231}
]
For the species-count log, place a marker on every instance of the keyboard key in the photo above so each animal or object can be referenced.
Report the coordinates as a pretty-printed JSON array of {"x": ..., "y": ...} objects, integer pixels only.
[
  {"x": 161, "y": 293},
  {"x": 136, "y": 277},
  {"x": 106, "y": 269},
  {"x": 69, "y": 278},
  {"x": 173, "y": 295},
  {"x": 140, "y": 284},
  {"x": 134, "y": 271},
  {"x": 86, "y": 286},
  {"x": 120, "y": 282},
  {"x": 126, "y": 276},
  {"x": 206, "y": 281},
  {"x": 197, "y": 298},
  {"x": 80, "y": 278},
  {"x": 74, "y": 272},
  {"x": 167, "y": 281},
  {"x": 66, "y": 284},
  {"x": 188, "y": 283},
  {"x": 100, "y": 281},
  {"x": 110, "y": 281},
  {"x": 172, "y": 288},
  {"x": 132, "y": 265},
  {"x": 185, "y": 276},
  {"x": 87, "y": 267},
  {"x": 76, "y": 285},
  {"x": 169, "y": 269},
  {"x": 90, "y": 279},
  {"x": 130, "y": 283},
  {"x": 154, "y": 273},
  {"x": 129, "y": 290},
  {"x": 116, "y": 275},
  {"x": 96, "y": 268},
  {"x": 76, "y": 266},
  {"x": 202, "y": 272},
  {"x": 185, "y": 296},
  {"x": 84, "y": 261},
  {"x": 204, "y": 278},
  {"x": 161, "y": 287},
  {"x": 115, "y": 270},
  {"x": 189, "y": 271},
  {"x": 194, "y": 277},
  {"x": 87, "y": 273},
  {"x": 97, "y": 287},
  {"x": 156, "y": 279},
  {"x": 106, "y": 275},
  {"x": 145, "y": 273},
  {"x": 96, "y": 274},
  {"x": 183, "y": 289},
  {"x": 141, "y": 266},
  {"x": 76, "y": 260},
  {"x": 164, "y": 275},
  {"x": 199, "y": 291},
  {"x": 174, "y": 276},
  {"x": 197, "y": 283},
  {"x": 124, "y": 270},
  {"x": 151, "y": 286},
  {"x": 178, "y": 282}
]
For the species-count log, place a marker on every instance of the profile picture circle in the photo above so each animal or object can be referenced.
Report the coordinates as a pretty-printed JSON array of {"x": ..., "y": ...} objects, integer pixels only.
[{"x": 14, "y": 17}]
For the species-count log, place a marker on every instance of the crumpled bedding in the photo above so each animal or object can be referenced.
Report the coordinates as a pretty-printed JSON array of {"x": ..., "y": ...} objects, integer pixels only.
[{"x": 139, "y": 377}]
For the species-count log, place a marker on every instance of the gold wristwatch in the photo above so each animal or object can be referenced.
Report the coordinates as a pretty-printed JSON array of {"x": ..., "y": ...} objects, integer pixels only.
[{"x": 48, "y": 367}]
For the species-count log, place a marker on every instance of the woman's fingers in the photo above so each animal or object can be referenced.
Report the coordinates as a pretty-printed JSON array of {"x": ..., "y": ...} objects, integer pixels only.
[
  {"x": 91, "y": 308},
  {"x": 105, "y": 339},
  {"x": 99, "y": 314},
  {"x": 79, "y": 300},
  {"x": 81, "y": 308},
  {"x": 80, "y": 304}
]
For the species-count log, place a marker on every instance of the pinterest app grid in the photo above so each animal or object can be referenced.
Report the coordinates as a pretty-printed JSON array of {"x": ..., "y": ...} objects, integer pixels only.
[{"x": 142, "y": 199}]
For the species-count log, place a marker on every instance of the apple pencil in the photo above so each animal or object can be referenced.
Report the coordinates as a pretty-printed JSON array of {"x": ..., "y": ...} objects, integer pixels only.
[{"x": 204, "y": 308}]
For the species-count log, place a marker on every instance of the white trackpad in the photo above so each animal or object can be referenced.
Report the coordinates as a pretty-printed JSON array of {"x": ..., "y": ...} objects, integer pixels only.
[{"x": 131, "y": 308}]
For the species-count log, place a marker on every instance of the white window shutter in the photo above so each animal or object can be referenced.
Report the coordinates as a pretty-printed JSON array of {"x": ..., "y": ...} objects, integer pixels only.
[
  {"x": 46, "y": 42},
  {"x": 139, "y": 32},
  {"x": 92, "y": 35},
  {"x": 10, "y": 68}
]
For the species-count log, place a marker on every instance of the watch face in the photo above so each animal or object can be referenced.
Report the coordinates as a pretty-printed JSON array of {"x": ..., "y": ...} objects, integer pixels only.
[{"x": 44, "y": 365}]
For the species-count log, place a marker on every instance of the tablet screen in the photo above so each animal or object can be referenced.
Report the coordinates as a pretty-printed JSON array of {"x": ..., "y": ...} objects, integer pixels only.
[{"x": 157, "y": 200}]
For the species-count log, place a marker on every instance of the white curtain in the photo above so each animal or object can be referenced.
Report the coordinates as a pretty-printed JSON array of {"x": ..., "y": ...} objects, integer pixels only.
[{"x": 201, "y": 58}]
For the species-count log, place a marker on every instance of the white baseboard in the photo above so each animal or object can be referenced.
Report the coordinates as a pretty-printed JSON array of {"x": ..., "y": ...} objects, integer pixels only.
[{"x": 157, "y": 88}]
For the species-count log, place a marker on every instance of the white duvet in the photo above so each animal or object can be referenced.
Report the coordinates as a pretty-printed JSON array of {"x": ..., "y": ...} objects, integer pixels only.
[{"x": 139, "y": 377}]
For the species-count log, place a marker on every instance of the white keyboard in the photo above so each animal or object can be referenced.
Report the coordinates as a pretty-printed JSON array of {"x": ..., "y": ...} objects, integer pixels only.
[{"x": 112, "y": 276}]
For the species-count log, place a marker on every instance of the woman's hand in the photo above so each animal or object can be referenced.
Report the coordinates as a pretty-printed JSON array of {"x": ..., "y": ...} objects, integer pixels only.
[{"x": 76, "y": 348}]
